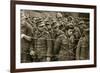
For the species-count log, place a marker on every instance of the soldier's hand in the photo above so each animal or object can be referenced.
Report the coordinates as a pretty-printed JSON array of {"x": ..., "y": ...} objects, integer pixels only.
[
  {"x": 28, "y": 38},
  {"x": 48, "y": 59},
  {"x": 22, "y": 36},
  {"x": 32, "y": 53}
]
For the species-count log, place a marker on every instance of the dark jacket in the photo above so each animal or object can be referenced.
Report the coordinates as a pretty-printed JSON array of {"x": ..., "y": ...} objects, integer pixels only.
[{"x": 82, "y": 51}]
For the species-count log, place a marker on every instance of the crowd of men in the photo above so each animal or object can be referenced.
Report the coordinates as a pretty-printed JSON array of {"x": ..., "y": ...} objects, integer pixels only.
[{"x": 54, "y": 39}]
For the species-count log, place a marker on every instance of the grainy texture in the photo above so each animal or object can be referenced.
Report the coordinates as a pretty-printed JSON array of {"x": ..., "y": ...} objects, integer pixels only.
[{"x": 54, "y": 36}]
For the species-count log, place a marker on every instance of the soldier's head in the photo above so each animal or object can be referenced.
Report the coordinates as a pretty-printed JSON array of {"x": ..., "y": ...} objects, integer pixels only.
[
  {"x": 70, "y": 19},
  {"x": 85, "y": 32},
  {"x": 53, "y": 23},
  {"x": 70, "y": 25},
  {"x": 81, "y": 24},
  {"x": 70, "y": 31},
  {"x": 22, "y": 22},
  {"x": 59, "y": 16},
  {"x": 41, "y": 27},
  {"x": 62, "y": 27},
  {"x": 56, "y": 27},
  {"x": 48, "y": 24},
  {"x": 38, "y": 20}
]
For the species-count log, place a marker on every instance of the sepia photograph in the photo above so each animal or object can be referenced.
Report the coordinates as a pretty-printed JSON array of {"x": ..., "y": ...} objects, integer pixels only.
[{"x": 52, "y": 36}]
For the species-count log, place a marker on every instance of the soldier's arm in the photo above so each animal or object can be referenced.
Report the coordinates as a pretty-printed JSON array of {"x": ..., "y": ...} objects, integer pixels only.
[
  {"x": 29, "y": 28},
  {"x": 29, "y": 32},
  {"x": 32, "y": 49},
  {"x": 78, "y": 50},
  {"x": 26, "y": 37},
  {"x": 31, "y": 23},
  {"x": 65, "y": 42},
  {"x": 22, "y": 36},
  {"x": 56, "y": 46},
  {"x": 49, "y": 45},
  {"x": 72, "y": 39}
]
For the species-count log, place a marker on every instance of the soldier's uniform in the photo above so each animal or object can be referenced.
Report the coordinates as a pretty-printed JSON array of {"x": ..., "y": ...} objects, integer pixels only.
[
  {"x": 77, "y": 34},
  {"x": 42, "y": 46},
  {"x": 82, "y": 51},
  {"x": 49, "y": 29},
  {"x": 82, "y": 25},
  {"x": 25, "y": 44},
  {"x": 72, "y": 47},
  {"x": 71, "y": 44},
  {"x": 61, "y": 47}
]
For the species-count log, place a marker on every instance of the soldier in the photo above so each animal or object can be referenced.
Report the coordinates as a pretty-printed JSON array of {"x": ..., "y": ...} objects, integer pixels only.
[
  {"x": 71, "y": 43},
  {"x": 49, "y": 28},
  {"x": 82, "y": 25},
  {"x": 82, "y": 51},
  {"x": 77, "y": 33},
  {"x": 70, "y": 19},
  {"x": 51, "y": 33},
  {"x": 42, "y": 44},
  {"x": 61, "y": 46},
  {"x": 26, "y": 34}
]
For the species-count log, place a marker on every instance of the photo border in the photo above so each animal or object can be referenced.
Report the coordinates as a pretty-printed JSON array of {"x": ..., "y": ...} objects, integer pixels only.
[{"x": 13, "y": 35}]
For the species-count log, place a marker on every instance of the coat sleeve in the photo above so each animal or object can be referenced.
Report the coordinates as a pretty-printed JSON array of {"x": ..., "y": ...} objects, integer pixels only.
[
  {"x": 49, "y": 45},
  {"x": 57, "y": 46},
  {"x": 78, "y": 50}
]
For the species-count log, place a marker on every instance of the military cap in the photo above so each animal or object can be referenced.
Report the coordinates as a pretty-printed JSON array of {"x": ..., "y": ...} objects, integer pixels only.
[
  {"x": 41, "y": 24},
  {"x": 86, "y": 30},
  {"x": 81, "y": 22},
  {"x": 47, "y": 22},
  {"x": 70, "y": 18}
]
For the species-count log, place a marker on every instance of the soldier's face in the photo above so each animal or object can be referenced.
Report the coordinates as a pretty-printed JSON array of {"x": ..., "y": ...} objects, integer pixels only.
[
  {"x": 70, "y": 32},
  {"x": 82, "y": 26},
  {"x": 59, "y": 19},
  {"x": 23, "y": 23},
  {"x": 40, "y": 28},
  {"x": 49, "y": 26},
  {"x": 56, "y": 29}
]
